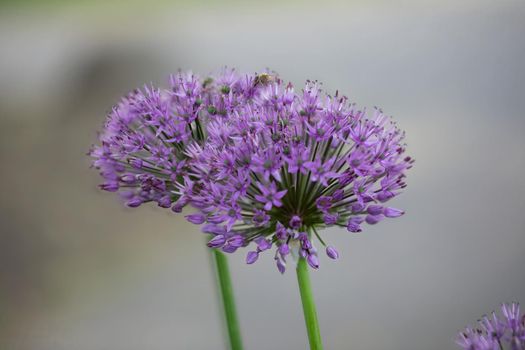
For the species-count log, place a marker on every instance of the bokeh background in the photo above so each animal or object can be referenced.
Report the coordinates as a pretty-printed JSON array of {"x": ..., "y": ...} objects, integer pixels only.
[{"x": 79, "y": 271}]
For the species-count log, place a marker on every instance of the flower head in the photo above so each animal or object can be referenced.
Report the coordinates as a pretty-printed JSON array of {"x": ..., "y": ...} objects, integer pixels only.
[
  {"x": 496, "y": 332},
  {"x": 287, "y": 164}
]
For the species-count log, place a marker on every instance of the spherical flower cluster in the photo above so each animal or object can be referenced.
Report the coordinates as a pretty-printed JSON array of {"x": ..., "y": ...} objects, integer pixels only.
[
  {"x": 496, "y": 333},
  {"x": 282, "y": 165},
  {"x": 260, "y": 162}
]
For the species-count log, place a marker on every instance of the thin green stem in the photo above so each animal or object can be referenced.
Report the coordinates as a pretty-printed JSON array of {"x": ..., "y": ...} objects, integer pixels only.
[
  {"x": 228, "y": 299},
  {"x": 310, "y": 315},
  {"x": 318, "y": 236}
]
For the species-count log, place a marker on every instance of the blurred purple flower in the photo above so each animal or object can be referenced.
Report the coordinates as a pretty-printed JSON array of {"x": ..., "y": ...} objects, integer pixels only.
[{"x": 496, "y": 333}]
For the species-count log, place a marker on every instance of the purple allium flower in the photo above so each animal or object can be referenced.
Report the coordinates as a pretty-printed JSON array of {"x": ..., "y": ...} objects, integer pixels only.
[
  {"x": 320, "y": 171},
  {"x": 269, "y": 195},
  {"x": 268, "y": 164},
  {"x": 279, "y": 165},
  {"x": 496, "y": 333},
  {"x": 297, "y": 160},
  {"x": 260, "y": 218}
]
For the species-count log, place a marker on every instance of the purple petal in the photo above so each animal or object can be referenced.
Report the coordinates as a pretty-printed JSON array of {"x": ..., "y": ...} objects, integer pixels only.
[
  {"x": 280, "y": 194},
  {"x": 277, "y": 203},
  {"x": 252, "y": 257}
]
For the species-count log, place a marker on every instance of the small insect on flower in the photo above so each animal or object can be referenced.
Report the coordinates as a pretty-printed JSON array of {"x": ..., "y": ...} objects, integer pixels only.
[
  {"x": 263, "y": 79},
  {"x": 496, "y": 332},
  {"x": 288, "y": 164}
]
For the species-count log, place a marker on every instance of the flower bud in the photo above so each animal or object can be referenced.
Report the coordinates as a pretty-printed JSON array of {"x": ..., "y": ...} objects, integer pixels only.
[
  {"x": 393, "y": 212},
  {"x": 213, "y": 229},
  {"x": 196, "y": 218},
  {"x": 330, "y": 219},
  {"x": 338, "y": 195},
  {"x": 384, "y": 196},
  {"x": 164, "y": 201},
  {"x": 313, "y": 261},
  {"x": 306, "y": 244},
  {"x": 373, "y": 219},
  {"x": 284, "y": 249},
  {"x": 332, "y": 252},
  {"x": 354, "y": 224},
  {"x": 302, "y": 236},
  {"x": 235, "y": 241},
  {"x": 252, "y": 257},
  {"x": 374, "y": 209},
  {"x": 263, "y": 244},
  {"x": 280, "y": 231},
  {"x": 357, "y": 208},
  {"x": 216, "y": 242},
  {"x": 295, "y": 222},
  {"x": 281, "y": 266},
  {"x": 134, "y": 202},
  {"x": 129, "y": 179},
  {"x": 110, "y": 186},
  {"x": 136, "y": 163}
]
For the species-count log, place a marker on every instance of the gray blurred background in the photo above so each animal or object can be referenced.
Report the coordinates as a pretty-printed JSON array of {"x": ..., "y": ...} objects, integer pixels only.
[{"x": 79, "y": 271}]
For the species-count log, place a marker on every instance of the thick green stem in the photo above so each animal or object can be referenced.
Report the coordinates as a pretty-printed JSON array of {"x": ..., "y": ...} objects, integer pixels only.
[
  {"x": 228, "y": 299},
  {"x": 310, "y": 315}
]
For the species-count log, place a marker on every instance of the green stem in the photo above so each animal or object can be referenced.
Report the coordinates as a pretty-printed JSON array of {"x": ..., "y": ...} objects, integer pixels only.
[
  {"x": 307, "y": 297},
  {"x": 228, "y": 299}
]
